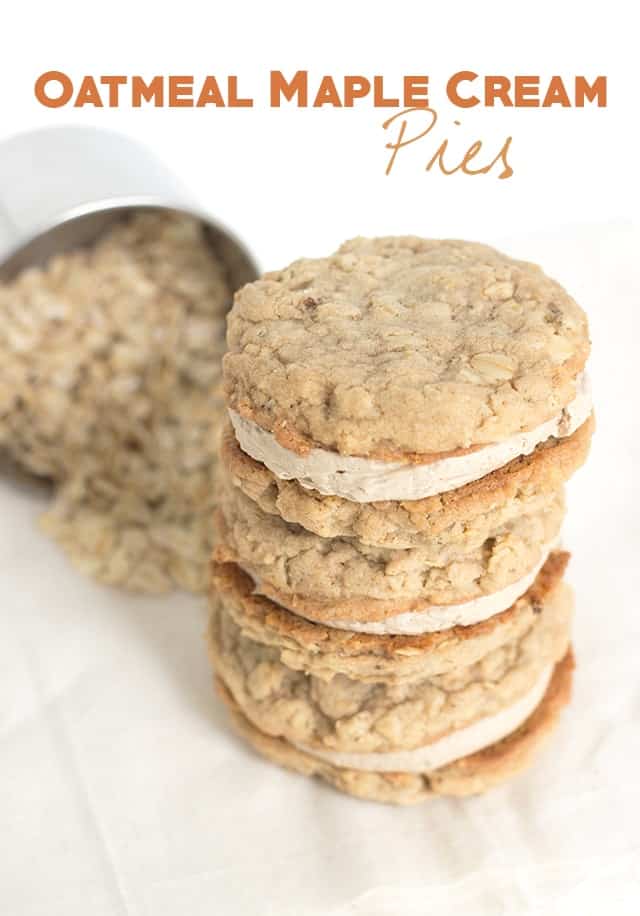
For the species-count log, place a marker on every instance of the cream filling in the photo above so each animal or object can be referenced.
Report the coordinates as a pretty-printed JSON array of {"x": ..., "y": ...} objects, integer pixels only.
[
  {"x": 438, "y": 617},
  {"x": 366, "y": 480},
  {"x": 445, "y": 750}
]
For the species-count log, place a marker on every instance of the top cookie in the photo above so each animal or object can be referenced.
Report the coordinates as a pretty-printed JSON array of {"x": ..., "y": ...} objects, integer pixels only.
[{"x": 403, "y": 348}]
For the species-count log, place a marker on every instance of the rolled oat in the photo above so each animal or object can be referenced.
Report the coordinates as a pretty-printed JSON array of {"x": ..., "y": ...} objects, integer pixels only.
[{"x": 110, "y": 386}]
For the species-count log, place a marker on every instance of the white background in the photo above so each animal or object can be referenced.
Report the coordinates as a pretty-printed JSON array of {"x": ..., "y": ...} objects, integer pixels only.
[{"x": 122, "y": 790}]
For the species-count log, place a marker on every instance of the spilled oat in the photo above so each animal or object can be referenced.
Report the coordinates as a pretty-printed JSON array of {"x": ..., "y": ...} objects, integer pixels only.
[{"x": 110, "y": 386}]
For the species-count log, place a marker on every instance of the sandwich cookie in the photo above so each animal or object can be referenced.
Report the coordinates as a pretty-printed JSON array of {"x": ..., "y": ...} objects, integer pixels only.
[
  {"x": 402, "y": 368},
  {"x": 345, "y": 716},
  {"x": 413, "y": 727},
  {"x": 324, "y": 651},
  {"x": 351, "y": 586},
  {"x": 469, "y": 775}
]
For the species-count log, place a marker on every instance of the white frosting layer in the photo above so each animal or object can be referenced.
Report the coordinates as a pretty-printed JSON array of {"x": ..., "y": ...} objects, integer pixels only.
[
  {"x": 452, "y": 747},
  {"x": 367, "y": 480},
  {"x": 444, "y": 616}
]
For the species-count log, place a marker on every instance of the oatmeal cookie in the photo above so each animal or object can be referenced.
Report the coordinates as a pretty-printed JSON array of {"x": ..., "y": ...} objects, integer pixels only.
[
  {"x": 470, "y": 775},
  {"x": 341, "y": 579},
  {"x": 403, "y": 348}
]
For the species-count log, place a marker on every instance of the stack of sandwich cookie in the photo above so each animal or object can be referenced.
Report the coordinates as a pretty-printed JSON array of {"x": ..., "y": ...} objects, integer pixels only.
[{"x": 388, "y": 607}]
